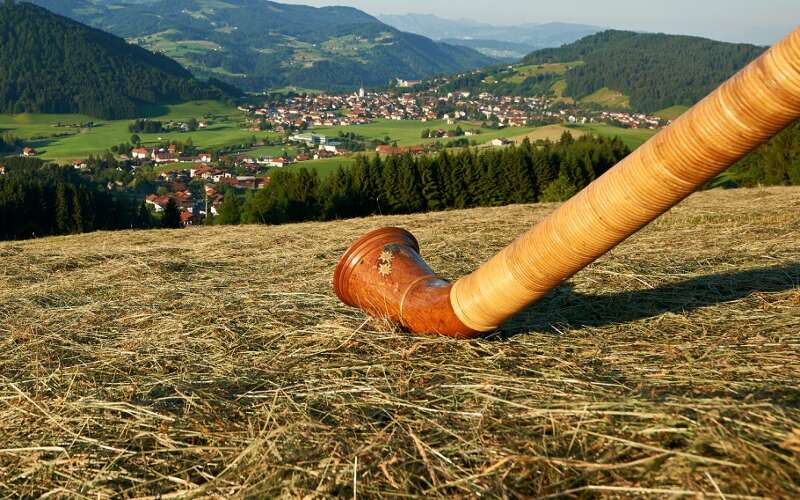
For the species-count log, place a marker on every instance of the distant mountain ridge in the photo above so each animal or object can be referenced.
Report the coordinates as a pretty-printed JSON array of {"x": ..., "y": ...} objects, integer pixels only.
[
  {"x": 655, "y": 71},
  {"x": 513, "y": 42},
  {"x": 617, "y": 70},
  {"x": 51, "y": 64},
  {"x": 258, "y": 44}
]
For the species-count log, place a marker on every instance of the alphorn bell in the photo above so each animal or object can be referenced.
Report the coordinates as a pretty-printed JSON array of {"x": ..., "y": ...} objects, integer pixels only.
[{"x": 383, "y": 273}]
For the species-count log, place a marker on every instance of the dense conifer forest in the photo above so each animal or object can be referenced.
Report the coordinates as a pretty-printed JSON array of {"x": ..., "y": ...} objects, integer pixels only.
[
  {"x": 39, "y": 200},
  {"x": 51, "y": 64},
  {"x": 777, "y": 163},
  {"x": 656, "y": 71},
  {"x": 409, "y": 184}
]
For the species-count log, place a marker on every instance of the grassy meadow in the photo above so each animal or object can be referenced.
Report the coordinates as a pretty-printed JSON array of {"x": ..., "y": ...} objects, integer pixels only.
[
  {"x": 632, "y": 137},
  {"x": 38, "y": 130},
  {"x": 671, "y": 113},
  {"x": 521, "y": 73},
  {"x": 607, "y": 98},
  {"x": 216, "y": 362},
  {"x": 408, "y": 132}
]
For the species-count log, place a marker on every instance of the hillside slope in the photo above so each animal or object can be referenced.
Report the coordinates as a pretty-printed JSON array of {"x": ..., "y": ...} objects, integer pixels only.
[
  {"x": 655, "y": 71},
  {"x": 51, "y": 64},
  {"x": 217, "y": 362},
  {"x": 258, "y": 43}
]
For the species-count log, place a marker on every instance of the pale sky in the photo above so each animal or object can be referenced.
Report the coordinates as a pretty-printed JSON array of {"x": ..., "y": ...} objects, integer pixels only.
[{"x": 755, "y": 21}]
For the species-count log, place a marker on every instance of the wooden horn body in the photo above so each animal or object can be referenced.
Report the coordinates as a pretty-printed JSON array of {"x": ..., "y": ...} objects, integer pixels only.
[{"x": 743, "y": 113}]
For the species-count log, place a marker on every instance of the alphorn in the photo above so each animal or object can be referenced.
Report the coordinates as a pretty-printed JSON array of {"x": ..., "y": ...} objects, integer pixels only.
[{"x": 383, "y": 273}]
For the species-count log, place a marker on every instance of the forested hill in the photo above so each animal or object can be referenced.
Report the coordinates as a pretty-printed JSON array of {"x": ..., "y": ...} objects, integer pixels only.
[
  {"x": 655, "y": 70},
  {"x": 51, "y": 64},
  {"x": 256, "y": 44}
]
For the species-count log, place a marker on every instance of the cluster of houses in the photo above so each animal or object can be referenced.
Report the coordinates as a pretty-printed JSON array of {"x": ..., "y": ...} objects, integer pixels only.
[
  {"x": 322, "y": 110},
  {"x": 196, "y": 206},
  {"x": 631, "y": 120},
  {"x": 170, "y": 154}
]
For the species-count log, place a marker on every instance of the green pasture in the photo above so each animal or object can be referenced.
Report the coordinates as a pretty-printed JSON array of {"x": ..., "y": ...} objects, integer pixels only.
[
  {"x": 408, "y": 132},
  {"x": 40, "y": 130},
  {"x": 608, "y": 98},
  {"x": 671, "y": 113},
  {"x": 632, "y": 137},
  {"x": 521, "y": 73}
]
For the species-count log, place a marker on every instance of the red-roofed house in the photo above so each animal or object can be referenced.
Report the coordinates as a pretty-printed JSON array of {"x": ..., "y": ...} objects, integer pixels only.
[
  {"x": 159, "y": 203},
  {"x": 140, "y": 153},
  {"x": 167, "y": 157},
  {"x": 186, "y": 218}
]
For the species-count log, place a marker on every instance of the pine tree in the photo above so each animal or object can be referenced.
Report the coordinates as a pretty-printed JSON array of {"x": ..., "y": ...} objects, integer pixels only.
[
  {"x": 77, "y": 212},
  {"x": 230, "y": 212},
  {"x": 431, "y": 185},
  {"x": 62, "y": 210},
  {"x": 171, "y": 218},
  {"x": 409, "y": 186},
  {"x": 391, "y": 195},
  {"x": 143, "y": 220},
  {"x": 544, "y": 170}
]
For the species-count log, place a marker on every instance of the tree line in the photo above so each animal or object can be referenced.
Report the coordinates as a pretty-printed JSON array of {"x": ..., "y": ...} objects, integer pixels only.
[
  {"x": 9, "y": 143},
  {"x": 776, "y": 163},
  {"x": 39, "y": 200},
  {"x": 407, "y": 184}
]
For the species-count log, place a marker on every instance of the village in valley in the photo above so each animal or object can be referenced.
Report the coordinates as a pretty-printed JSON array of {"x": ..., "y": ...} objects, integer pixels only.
[{"x": 308, "y": 127}]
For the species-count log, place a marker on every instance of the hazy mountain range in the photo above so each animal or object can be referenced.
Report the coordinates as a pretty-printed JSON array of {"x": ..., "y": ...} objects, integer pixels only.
[
  {"x": 256, "y": 44},
  {"x": 503, "y": 42}
]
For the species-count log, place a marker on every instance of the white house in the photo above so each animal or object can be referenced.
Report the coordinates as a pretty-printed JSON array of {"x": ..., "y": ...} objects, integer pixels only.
[{"x": 501, "y": 141}]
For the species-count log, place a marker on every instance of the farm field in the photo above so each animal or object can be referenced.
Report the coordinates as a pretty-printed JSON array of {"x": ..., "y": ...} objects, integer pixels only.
[
  {"x": 106, "y": 133},
  {"x": 217, "y": 362},
  {"x": 549, "y": 133},
  {"x": 633, "y": 138},
  {"x": 408, "y": 132},
  {"x": 671, "y": 113}
]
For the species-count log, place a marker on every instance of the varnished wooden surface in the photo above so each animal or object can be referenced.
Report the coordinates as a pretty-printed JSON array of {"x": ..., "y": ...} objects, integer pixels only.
[
  {"x": 743, "y": 113},
  {"x": 384, "y": 274}
]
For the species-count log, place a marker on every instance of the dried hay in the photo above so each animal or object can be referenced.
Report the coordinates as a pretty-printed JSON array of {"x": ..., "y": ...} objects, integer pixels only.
[{"x": 216, "y": 362}]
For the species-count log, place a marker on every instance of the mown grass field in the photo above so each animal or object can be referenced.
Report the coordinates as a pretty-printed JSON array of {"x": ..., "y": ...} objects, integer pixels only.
[{"x": 217, "y": 362}]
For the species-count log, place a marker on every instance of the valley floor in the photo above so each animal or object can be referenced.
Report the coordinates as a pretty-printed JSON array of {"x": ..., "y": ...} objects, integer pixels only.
[{"x": 218, "y": 362}]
